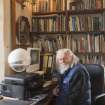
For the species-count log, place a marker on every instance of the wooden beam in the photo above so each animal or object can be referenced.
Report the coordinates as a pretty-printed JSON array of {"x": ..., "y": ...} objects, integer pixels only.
[{"x": 13, "y": 23}]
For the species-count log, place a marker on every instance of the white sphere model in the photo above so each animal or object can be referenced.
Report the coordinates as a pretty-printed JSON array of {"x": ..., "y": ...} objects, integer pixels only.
[{"x": 19, "y": 59}]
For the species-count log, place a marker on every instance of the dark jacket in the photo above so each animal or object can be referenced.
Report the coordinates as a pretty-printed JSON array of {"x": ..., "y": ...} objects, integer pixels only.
[{"x": 74, "y": 87}]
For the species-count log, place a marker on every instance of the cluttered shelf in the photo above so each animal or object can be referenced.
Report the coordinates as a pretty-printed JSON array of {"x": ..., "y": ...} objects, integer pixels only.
[{"x": 78, "y": 25}]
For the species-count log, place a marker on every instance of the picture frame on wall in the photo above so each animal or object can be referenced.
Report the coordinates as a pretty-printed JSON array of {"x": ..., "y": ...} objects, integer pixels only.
[
  {"x": 22, "y": 31},
  {"x": 20, "y": 25}
]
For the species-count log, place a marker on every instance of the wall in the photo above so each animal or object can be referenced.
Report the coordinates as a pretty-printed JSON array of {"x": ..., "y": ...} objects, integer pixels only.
[
  {"x": 1, "y": 41},
  {"x": 26, "y": 11},
  {"x": 7, "y": 35}
]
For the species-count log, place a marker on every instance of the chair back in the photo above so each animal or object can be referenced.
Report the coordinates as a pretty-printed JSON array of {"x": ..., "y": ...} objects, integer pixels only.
[{"x": 96, "y": 73}]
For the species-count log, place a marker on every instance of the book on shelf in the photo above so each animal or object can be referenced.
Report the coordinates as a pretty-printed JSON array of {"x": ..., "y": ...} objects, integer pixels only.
[
  {"x": 90, "y": 43},
  {"x": 99, "y": 4},
  {"x": 50, "y": 61},
  {"x": 46, "y": 61},
  {"x": 97, "y": 22},
  {"x": 103, "y": 43},
  {"x": 103, "y": 4},
  {"x": 97, "y": 43}
]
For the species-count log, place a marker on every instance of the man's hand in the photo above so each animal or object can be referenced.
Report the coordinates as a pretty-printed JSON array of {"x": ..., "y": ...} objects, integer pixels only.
[{"x": 56, "y": 91}]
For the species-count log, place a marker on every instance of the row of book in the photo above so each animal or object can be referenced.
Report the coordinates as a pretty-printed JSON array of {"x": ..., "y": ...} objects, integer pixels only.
[
  {"x": 91, "y": 43},
  {"x": 46, "y": 45},
  {"x": 86, "y": 22},
  {"x": 48, "y": 5},
  {"x": 46, "y": 62},
  {"x": 90, "y": 59},
  {"x": 83, "y": 43},
  {"x": 85, "y": 4},
  {"x": 61, "y": 5},
  {"x": 88, "y": 47},
  {"x": 57, "y": 23},
  {"x": 48, "y": 24}
]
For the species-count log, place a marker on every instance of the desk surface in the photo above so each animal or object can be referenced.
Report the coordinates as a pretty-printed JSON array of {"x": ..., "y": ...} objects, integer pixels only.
[
  {"x": 10, "y": 101},
  {"x": 14, "y": 102},
  {"x": 22, "y": 102}
]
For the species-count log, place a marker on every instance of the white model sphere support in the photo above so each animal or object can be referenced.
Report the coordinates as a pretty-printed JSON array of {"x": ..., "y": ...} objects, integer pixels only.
[{"x": 19, "y": 59}]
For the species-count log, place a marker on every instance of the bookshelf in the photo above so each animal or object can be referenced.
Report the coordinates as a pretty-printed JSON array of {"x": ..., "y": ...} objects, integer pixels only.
[{"x": 75, "y": 24}]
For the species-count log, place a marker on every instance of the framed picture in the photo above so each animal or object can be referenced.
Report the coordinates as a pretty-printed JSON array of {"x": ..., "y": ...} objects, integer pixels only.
[
  {"x": 22, "y": 30},
  {"x": 20, "y": 24}
]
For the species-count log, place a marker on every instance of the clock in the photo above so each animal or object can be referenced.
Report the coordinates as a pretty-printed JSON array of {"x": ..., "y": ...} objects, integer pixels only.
[{"x": 23, "y": 30}]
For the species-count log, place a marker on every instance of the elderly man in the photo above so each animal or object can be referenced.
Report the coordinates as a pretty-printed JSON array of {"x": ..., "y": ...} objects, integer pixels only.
[{"x": 74, "y": 82}]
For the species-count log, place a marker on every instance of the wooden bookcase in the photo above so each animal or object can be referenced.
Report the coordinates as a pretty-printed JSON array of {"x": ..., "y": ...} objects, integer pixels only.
[{"x": 78, "y": 25}]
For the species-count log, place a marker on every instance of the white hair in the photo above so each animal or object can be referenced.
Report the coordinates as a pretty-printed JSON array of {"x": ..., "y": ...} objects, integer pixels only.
[{"x": 63, "y": 51}]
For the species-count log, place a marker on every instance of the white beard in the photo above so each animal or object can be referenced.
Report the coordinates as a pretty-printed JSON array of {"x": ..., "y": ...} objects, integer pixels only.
[{"x": 62, "y": 68}]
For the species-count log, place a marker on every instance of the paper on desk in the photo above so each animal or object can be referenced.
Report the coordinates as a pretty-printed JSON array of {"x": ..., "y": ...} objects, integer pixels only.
[{"x": 10, "y": 98}]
